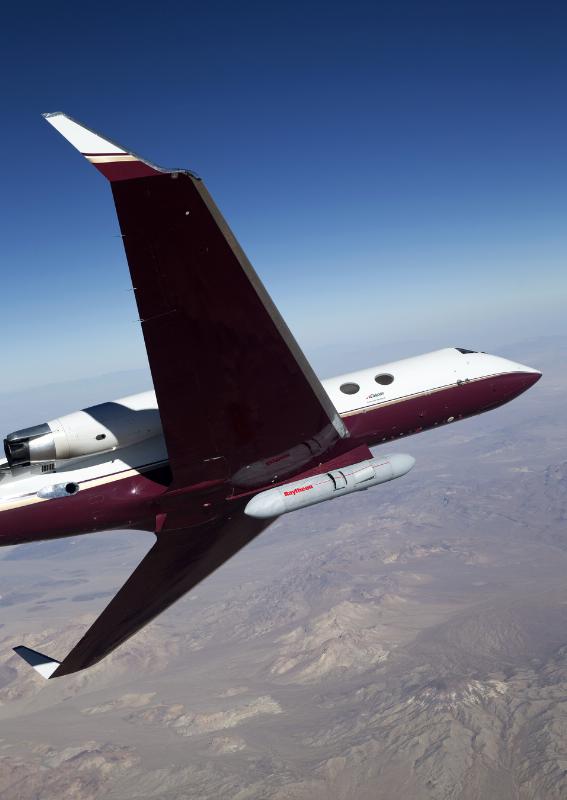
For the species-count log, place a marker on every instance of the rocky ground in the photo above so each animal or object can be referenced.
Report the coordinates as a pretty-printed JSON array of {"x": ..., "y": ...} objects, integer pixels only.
[{"x": 410, "y": 641}]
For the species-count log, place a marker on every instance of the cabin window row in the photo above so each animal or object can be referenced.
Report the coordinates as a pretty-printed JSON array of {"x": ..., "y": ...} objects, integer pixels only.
[{"x": 384, "y": 379}]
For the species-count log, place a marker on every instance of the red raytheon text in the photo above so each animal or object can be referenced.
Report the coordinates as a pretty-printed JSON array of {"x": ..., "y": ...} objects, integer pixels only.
[{"x": 299, "y": 489}]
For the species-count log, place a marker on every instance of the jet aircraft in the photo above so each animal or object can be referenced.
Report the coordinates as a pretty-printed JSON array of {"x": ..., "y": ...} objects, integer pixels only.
[{"x": 238, "y": 429}]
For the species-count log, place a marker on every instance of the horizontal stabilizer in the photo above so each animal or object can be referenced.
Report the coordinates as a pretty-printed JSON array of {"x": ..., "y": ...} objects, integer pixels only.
[{"x": 45, "y": 665}]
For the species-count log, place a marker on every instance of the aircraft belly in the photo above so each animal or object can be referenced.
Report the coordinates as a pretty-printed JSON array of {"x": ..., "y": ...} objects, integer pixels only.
[{"x": 118, "y": 503}]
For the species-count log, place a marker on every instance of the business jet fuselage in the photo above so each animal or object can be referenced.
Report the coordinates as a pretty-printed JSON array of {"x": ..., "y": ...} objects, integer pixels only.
[
  {"x": 114, "y": 464},
  {"x": 238, "y": 430}
]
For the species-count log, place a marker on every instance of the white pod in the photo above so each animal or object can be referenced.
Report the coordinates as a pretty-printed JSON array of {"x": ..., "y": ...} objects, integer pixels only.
[{"x": 328, "y": 485}]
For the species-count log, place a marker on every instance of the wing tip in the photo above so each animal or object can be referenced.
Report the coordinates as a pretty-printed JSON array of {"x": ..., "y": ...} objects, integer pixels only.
[
  {"x": 84, "y": 139},
  {"x": 115, "y": 162},
  {"x": 42, "y": 664}
]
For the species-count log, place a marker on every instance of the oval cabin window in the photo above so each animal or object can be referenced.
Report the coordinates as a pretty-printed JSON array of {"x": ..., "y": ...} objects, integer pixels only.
[
  {"x": 384, "y": 380},
  {"x": 350, "y": 388}
]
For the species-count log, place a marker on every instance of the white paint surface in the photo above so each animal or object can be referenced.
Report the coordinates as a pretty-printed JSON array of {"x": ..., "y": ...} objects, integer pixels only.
[{"x": 85, "y": 140}]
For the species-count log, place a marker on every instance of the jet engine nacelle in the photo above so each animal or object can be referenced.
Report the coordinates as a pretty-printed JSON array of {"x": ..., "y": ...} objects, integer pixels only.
[
  {"x": 328, "y": 485},
  {"x": 97, "y": 429}
]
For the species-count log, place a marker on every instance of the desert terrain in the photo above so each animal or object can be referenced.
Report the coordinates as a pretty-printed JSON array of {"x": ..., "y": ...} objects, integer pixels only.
[{"x": 409, "y": 641}]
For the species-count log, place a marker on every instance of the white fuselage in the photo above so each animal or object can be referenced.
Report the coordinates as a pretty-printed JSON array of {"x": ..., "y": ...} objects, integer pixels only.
[{"x": 406, "y": 378}]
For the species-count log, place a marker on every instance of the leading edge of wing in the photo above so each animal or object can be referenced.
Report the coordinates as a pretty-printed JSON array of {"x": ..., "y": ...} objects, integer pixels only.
[{"x": 115, "y": 162}]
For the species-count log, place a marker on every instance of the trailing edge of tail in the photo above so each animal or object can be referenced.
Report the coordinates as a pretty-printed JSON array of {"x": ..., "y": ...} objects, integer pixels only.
[{"x": 112, "y": 160}]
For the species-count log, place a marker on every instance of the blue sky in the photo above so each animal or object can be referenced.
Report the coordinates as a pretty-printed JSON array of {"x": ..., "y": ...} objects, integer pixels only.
[{"x": 397, "y": 172}]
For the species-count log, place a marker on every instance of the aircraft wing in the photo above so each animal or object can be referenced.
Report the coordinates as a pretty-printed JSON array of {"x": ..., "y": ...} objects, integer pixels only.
[
  {"x": 239, "y": 403},
  {"x": 177, "y": 562}
]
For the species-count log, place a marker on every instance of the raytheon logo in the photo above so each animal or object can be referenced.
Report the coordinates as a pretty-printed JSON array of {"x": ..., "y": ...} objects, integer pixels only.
[{"x": 299, "y": 489}]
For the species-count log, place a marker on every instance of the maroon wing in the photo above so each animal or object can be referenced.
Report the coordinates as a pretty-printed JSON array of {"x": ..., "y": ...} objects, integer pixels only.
[{"x": 239, "y": 402}]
